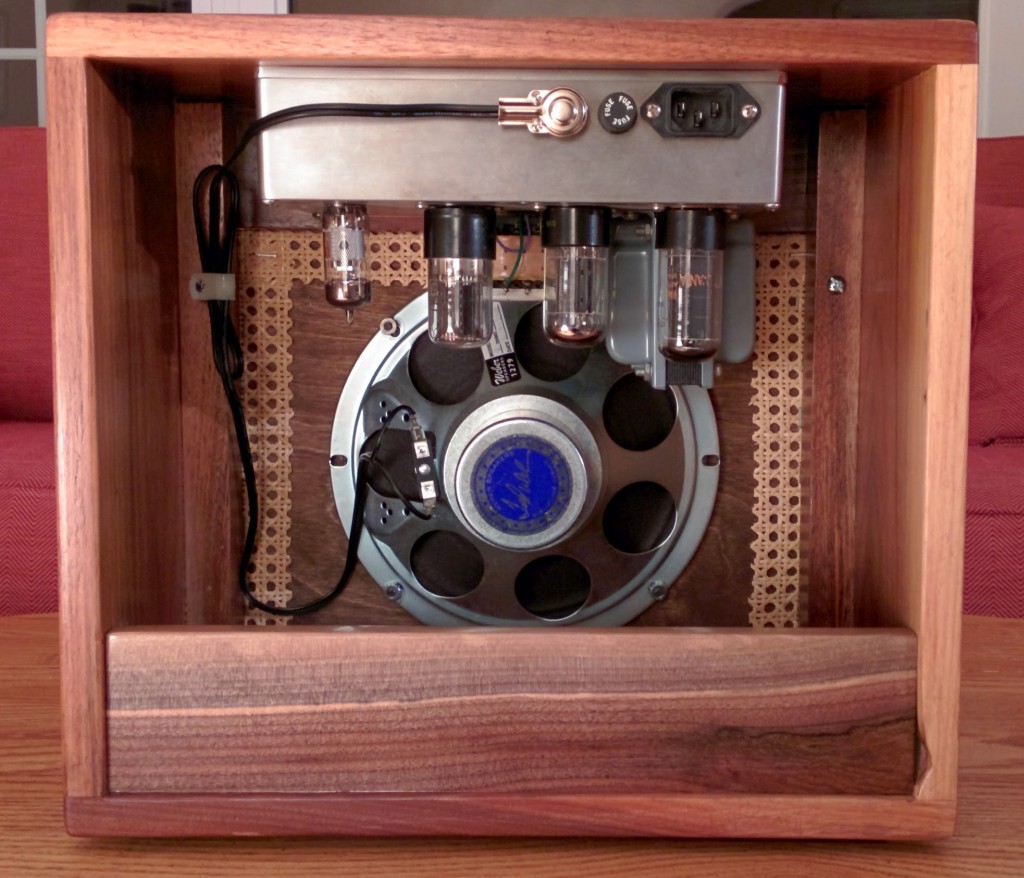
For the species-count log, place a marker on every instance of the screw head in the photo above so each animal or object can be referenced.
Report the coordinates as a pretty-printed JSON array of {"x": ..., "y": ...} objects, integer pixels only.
[
  {"x": 393, "y": 591},
  {"x": 389, "y": 326},
  {"x": 750, "y": 111},
  {"x": 658, "y": 590},
  {"x": 652, "y": 110},
  {"x": 836, "y": 285}
]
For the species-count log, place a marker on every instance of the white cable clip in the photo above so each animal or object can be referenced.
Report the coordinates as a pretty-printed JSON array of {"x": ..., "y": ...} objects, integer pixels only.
[{"x": 209, "y": 287}]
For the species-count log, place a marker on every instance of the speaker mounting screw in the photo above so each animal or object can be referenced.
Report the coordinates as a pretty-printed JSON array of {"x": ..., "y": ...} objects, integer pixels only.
[
  {"x": 658, "y": 589},
  {"x": 394, "y": 590}
]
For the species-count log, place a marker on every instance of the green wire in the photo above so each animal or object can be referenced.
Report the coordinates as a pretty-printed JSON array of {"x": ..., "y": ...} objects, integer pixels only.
[{"x": 519, "y": 254}]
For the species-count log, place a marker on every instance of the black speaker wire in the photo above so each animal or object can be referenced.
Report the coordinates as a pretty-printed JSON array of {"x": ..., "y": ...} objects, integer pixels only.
[{"x": 217, "y": 186}]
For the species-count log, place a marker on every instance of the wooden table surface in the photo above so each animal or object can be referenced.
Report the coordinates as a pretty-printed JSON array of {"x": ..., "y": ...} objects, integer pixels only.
[{"x": 989, "y": 840}]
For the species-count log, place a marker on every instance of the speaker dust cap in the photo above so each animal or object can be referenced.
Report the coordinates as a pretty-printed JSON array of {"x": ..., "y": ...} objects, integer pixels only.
[
  {"x": 521, "y": 484},
  {"x": 523, "y": 472}
]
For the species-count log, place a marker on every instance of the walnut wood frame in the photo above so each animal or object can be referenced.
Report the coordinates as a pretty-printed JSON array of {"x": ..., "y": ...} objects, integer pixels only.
[{"x": 142, "y": 482}]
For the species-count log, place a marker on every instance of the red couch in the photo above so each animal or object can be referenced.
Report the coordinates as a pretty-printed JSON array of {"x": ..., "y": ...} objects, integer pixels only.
[
  {"x": 28, "y": 508},
  {"x": 994, "y": 564}
]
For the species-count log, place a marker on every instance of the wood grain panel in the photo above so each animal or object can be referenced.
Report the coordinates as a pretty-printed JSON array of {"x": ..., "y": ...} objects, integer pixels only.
[
  {"x": 942, "y": 273},
  {"x": 912, "y": 439},
  {"x": 835, "y": 380},
  {"x": 458, "y": 42},
  {"x": 619, "y": 815},
  {"x": 115, "y": 343},
  {"x": 116, "y": 348},
  {"x": 83, "y": 682},
  {"x": 474, "y": 710},
  {"x": 987, "y": 841},
  {"x": 209, "y": 480},
  {"x": 132, "y": 297}
]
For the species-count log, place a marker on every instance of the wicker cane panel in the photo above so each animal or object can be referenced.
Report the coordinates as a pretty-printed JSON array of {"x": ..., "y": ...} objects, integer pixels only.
[
  {"x": 778, "y": 383},
  {"x": 267, "y": 262}
]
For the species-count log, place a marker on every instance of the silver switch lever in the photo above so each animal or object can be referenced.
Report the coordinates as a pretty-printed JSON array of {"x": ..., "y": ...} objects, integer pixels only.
[{"x": 560, "y": 112}]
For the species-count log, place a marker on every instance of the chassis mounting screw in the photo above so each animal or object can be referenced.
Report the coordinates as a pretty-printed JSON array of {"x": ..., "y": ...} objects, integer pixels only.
[{"x": 836, "y": 285}]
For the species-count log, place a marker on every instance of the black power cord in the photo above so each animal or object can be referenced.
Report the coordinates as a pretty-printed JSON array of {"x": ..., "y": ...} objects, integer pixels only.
[{"x": 215, "y": 235}]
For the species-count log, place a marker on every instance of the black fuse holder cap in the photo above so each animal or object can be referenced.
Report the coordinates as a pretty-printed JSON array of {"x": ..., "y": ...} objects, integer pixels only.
[{"x": 617, "y": 113}]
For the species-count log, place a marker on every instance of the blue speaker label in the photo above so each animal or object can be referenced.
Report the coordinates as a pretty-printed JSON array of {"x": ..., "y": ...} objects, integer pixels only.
[{"x": 521, "y": 485}]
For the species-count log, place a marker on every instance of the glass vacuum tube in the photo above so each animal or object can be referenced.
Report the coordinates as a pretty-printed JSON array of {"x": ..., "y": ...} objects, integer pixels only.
[
  {"x": 458, "y": 243},
  {"x": 576, "y": 274},
  {"x": 346, "y": 272},
  {"x": 689, "y": 244}
]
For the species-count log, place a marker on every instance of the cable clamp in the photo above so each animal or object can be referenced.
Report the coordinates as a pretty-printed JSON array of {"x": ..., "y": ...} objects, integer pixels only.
[
  {"x": 209, "y": 287},
  {"x": 560, "y": 112}
]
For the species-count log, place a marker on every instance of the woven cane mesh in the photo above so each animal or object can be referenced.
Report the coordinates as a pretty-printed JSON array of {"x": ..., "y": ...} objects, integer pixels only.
[{"x": 778, "y": 384}]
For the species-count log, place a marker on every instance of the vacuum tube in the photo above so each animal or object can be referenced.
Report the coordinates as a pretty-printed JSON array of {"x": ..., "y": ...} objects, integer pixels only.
[
  {"x": 458, "y": 243},
  {"x": 689, "y": 246},
  {"x": 576, "y": 274},
  {"x": 346, "y": 273}
]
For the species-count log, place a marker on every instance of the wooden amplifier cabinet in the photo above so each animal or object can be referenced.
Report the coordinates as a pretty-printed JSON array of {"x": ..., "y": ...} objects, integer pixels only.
[{"x": 178, "y": 723}]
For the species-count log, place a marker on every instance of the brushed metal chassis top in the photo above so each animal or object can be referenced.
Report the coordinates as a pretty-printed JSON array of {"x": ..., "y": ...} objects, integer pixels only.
[{"x": 457, "y": 160}]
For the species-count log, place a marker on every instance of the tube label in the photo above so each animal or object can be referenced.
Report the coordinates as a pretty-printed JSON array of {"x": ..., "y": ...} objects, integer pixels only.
[{"x": 499, "y": 354}]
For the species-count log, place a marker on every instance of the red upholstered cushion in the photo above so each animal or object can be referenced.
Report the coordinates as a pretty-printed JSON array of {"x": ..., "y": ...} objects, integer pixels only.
[
  {"x": 28, "y": 519},
  {"x": 994, "y": 551},
  {"x": 26, "y": 374},
  {"x": 1000, "y": 171},
  {"x": 997, "y": 325}
]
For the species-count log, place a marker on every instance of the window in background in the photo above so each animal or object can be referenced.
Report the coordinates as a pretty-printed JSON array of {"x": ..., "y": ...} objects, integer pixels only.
[
  {"x": 22, "y": 42},
  {"x": 21, "y": 61}
]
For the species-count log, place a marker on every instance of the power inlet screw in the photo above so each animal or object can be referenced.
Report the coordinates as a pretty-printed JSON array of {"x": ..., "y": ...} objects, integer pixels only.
[
  {"x": 836, "y": 285},
  {"x": 393, "y": 591},
  {"x": 389, "y": 326},
  {"x": 658, "y": 590},
  {"x": 750, "y": 111},
  {"x": 652, "y": 110}
]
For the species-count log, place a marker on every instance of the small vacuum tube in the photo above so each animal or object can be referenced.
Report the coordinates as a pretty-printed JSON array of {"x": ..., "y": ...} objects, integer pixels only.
[
  {"x": 346, "y": 273},
  {"x": 576, "y": 274},
  {"x": 689, "y": 244},
  {"x": 458, "y": 243}
]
